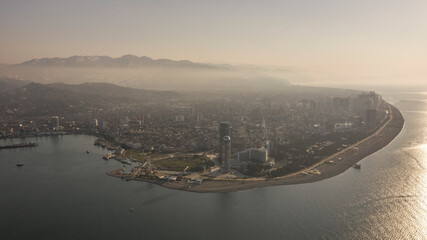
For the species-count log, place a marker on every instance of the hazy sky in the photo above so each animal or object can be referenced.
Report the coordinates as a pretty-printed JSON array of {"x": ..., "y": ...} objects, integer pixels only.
[{"x": 340, "y": 40}]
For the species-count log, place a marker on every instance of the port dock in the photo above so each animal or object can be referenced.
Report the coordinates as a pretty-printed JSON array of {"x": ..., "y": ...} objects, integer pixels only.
[{"x": 19, "y": 145}]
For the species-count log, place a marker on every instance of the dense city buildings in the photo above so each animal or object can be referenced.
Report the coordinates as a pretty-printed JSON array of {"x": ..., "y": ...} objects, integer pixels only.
[{"x": 251, "y": 132}]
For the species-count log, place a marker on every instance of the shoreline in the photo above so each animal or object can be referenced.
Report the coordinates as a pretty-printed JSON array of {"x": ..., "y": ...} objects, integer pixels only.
[{"x": 343, "y": 160}]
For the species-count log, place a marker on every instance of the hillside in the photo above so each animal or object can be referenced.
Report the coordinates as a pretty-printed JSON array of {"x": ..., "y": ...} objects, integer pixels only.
[
  {"x": 10, "y": 84},
  {"x": 40, "y": 99}
]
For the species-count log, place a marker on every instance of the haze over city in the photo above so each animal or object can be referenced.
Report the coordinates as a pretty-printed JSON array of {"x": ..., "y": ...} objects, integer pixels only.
[
  {"x": 306, "y": 42},
  {"x": 189, "y": 119}
]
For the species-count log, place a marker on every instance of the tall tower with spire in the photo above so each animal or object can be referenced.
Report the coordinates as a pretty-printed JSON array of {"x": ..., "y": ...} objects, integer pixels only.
[
  {"x": 226, "y": 154},
  {"x": 224, "y": 130},
  {"x": 264, "y": 129},
  {"x": 264, "y": 134}
]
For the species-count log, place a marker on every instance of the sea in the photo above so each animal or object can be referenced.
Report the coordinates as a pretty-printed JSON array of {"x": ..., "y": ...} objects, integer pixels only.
[{"x": 62, "y": 192}]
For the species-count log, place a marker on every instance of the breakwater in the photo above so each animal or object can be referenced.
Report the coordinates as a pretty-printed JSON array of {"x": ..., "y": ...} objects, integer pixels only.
[{"x": 19, "y": 145}]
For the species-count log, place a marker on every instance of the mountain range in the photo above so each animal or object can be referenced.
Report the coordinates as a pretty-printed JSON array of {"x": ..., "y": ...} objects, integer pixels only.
[
  {"x": 143, "y": 73},
  {"x": 126, "y": 61}
]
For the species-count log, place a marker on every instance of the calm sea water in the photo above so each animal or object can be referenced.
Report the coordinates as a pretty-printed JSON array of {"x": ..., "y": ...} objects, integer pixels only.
[{"x": 63, "y": 193}]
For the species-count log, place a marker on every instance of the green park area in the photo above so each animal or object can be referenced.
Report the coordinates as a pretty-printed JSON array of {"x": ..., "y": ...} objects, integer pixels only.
[{"x": 139, "y": 155}]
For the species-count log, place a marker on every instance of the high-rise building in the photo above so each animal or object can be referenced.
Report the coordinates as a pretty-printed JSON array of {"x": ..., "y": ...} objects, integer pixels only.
[
  {"x": 341, "y": 104},
  {"x": 95, "y": 123},
  {"x": 104, "y": 125},
  {"x": 371, "y": 117},
  {"x": 264, "y": 129},
  {"x": 266, "y": 142},
  {"x": 54, "y": 122},
  {"x": 199, "y": 116},
  {"x": 224, "y": 130},
  {"x": 226, "y": 154}
]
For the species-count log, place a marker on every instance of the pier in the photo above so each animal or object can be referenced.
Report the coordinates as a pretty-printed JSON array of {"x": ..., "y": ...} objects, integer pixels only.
[{"x": 19, "y": 145}]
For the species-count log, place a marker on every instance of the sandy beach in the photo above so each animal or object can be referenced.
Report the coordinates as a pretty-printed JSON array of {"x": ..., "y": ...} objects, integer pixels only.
[{"x": 342, "y": 161}]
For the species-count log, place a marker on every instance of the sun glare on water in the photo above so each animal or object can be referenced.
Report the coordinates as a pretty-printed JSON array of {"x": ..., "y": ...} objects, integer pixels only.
[{"x": 421, "y": 189}]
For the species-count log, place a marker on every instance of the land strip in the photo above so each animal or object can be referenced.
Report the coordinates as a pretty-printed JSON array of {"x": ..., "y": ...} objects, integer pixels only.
[{"x": 327, "y": 167}]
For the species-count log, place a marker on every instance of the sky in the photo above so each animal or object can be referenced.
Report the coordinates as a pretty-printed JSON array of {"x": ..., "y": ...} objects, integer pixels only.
[{"x": 342, "y": 41}]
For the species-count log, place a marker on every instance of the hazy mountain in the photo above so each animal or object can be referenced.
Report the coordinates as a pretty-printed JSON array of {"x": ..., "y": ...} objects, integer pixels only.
[
  {"x": 143, "y": 73},
  {"x": 126, "y": 61},
  {"x": 81, "y": 92}
]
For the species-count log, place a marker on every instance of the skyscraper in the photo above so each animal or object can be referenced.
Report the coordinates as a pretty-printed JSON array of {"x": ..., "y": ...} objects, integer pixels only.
[
  {"x": 371, "y": 117},
  {"x": 224, "y": 130},
  {"x": 266, "y": 143},
  {"x": 54, "y": 122},
  {"x": 264, "y": 129},
  {"x": 95, "y": 123},
  {"x": 226, "y": 154}
]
